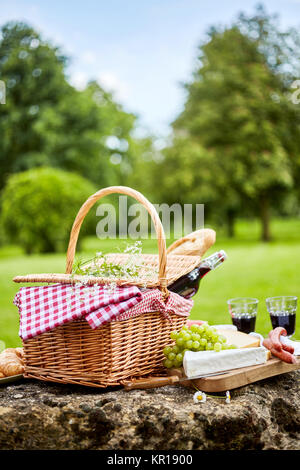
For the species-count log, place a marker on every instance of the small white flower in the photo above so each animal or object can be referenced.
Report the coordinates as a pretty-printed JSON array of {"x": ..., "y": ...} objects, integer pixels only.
[
  {"x": 110, "y": 288},
  {"x": 199, "y": 397},
  {"x": 228, "y": 397}
]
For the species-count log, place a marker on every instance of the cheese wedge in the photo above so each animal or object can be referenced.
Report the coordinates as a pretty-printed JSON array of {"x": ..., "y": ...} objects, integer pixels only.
[
  {"x": 239, "y": 339},
  {"x": 207, "y": 362}
]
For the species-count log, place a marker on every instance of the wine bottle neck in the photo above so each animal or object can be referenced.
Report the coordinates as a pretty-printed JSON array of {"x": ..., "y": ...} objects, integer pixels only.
[{"x": 213, "y": 261}]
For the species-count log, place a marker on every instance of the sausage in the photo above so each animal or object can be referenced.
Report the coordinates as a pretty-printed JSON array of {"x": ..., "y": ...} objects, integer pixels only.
[
  {"x": 267, "y": 343},
  {"x": 274, "y": 336},
  {"x": 288, "y": 348},
  {"x": 282, "y": 354},
  {"x": 279, "y": 344}
]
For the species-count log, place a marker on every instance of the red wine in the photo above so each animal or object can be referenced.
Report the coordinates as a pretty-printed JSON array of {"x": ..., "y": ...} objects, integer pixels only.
[
  {"x": 244, "y": 323},
  {"x": 187, "y": 286},
  {"x": 285, "y": 320}
]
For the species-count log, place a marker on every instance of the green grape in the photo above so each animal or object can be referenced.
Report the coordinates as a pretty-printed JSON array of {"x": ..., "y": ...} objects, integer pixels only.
[
  {"x": 209, "y": 347},
  {"x": 217, "y": 347},
  {"x": 180, "y": 341},
  {"x": 203, "y": 342},
  {"x": 209, "y": 334},
  {"x": 222, "y": 339},
  {"x": 189, "y": 344},
  {"x": 186, "y": 336},
  {"x": 179, "y": 357},
  {"x": 185, "y": 327},
  {"x": 167, "y": 350},
  {"x": 196, "y": 345},
  {"x": 177, "y": 363},
  {"x": 171, "y": 356},
  {"x": 175, "y": 349},
  {"x": 194, "y": 328},
  {"x": 167, "y": 363},
  {"x": 201, "y": 329},
  {"x": 174, "y": 335},
  {"x": 224, "y": 346},
  {"x": 215, "y": 337},
  {"x": 195, "y": 337}
]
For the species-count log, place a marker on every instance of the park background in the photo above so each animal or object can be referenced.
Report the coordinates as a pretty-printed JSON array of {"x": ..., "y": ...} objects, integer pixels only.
[{"x": 187, "y": 102}]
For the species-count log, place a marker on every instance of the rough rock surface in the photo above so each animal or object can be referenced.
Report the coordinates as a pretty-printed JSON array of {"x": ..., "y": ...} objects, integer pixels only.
[{"x": 39, "y": 415}]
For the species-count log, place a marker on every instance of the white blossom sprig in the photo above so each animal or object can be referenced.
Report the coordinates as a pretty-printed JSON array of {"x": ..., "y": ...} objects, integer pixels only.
[{"x": 101, "y": 267}]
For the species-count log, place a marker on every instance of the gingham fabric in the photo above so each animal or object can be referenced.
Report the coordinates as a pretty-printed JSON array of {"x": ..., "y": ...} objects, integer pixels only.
[
  {"x": 152, "y": 301},
  {"x": 45, "y": 307}
]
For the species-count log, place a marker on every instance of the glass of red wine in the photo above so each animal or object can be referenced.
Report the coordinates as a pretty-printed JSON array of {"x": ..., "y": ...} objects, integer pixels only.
[
  {"x": 282, "y": 311},
  {"x": 243, "y": 311}
]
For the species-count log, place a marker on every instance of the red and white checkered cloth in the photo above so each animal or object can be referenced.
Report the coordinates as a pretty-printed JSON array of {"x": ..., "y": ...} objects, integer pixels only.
[
  {"x": 152, "y": 301},
  {"x": 43, "y": 308}
]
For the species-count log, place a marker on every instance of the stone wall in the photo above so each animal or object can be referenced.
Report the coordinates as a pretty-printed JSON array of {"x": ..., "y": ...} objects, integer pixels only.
[{"x": 40, "y": 415}]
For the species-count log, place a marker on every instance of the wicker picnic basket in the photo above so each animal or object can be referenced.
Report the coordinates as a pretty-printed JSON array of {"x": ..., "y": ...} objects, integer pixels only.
[{"x": 77, "y": 354}]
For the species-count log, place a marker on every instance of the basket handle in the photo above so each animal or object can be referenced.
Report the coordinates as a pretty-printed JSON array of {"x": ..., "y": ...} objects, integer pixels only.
[{"x": 161, "y": 240}]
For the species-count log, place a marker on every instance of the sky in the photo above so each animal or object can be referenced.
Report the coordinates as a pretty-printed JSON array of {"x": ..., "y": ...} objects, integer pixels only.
[{"x": 141, "y": 50}]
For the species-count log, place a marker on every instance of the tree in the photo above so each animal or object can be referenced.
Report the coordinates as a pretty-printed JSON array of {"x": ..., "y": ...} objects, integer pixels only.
[
  {"x": 47, "y": 122},
  {"x": 88, "y": 133},
  {"x": 195, "y": 175},
  {"x": 238, "y": 110},
  {"x": 38, "y": 208},
  {"x": 33, "y": 72}
]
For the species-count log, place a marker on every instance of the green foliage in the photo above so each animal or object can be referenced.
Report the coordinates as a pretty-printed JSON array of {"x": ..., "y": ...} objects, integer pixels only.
[
  {"x": 33, "y": 72},
  {"x": 47, "y": 122},
  {"x": 39, "y": 207},
  {"x": 88, "y": 133},
  {"x": 232, "y": 142}
]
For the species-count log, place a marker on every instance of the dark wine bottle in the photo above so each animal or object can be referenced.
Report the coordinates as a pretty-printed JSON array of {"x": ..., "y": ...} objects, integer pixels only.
[{"x": 187, "y": 286}]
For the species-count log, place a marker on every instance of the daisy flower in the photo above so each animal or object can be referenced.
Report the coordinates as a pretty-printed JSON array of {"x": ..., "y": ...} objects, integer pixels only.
[{"x": 199, "y": 397}]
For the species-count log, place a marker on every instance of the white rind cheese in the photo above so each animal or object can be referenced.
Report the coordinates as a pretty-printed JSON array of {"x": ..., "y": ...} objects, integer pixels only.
[{"x": 207, "y": 362}]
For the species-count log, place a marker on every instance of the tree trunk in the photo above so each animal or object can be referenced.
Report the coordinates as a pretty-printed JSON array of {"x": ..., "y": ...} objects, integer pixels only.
[
  {"x": 265, "y": 219},
  {"x": 230, "y": 223}
]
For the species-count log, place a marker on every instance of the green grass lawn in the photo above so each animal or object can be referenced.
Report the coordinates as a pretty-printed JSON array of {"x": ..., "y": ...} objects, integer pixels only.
[{"x": 253, "y": 269}]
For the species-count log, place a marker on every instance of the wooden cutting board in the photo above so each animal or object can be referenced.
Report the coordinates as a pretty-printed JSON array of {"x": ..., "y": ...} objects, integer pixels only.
[{"x": 238, "y": 377}]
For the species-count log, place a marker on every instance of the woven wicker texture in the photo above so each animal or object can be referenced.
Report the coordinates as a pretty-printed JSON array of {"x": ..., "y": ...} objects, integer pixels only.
[
  {"x": 177, "y": 265},
  {"x": 74, "y": 353}
]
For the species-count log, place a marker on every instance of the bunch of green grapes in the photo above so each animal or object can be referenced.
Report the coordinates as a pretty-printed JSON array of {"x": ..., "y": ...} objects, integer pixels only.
[{"x": 196, "y": 338}]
